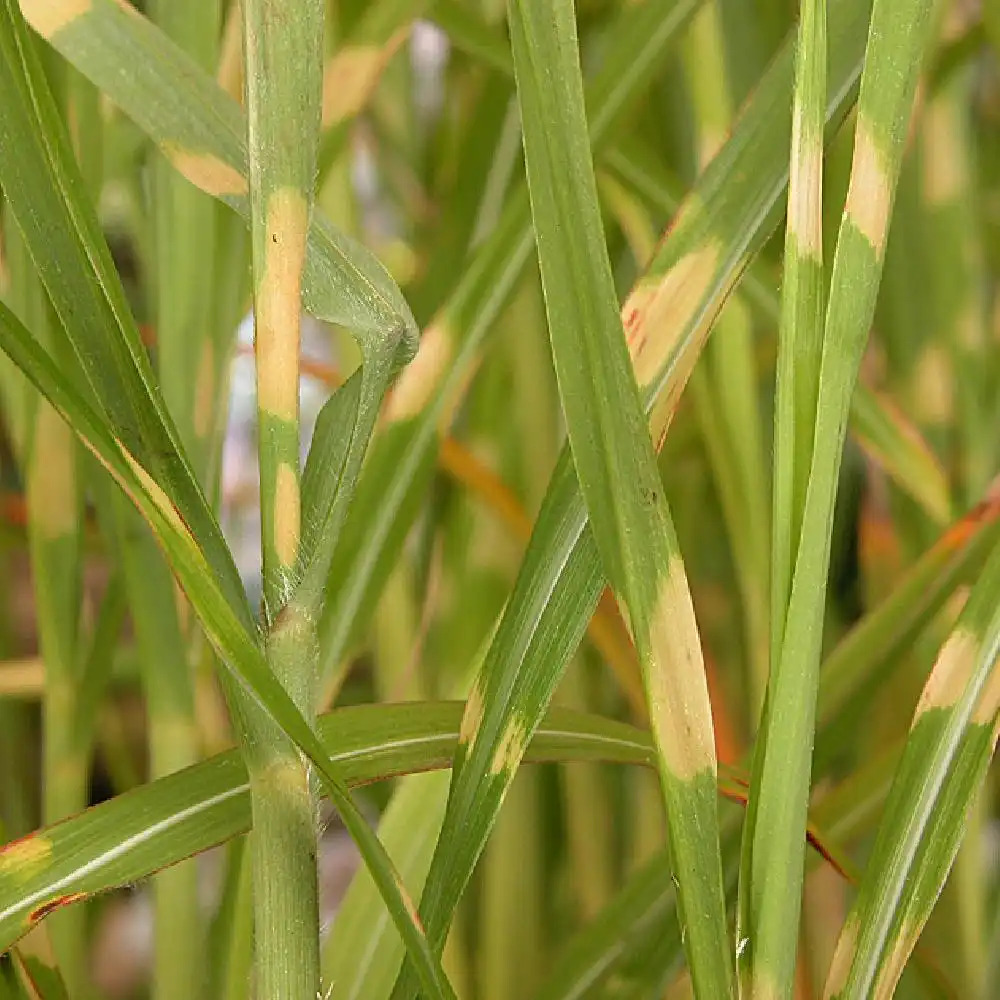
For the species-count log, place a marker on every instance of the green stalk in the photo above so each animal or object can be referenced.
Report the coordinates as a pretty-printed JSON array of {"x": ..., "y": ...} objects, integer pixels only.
[
  {"x": 589, "y": 822},
  {"x": 512, "y": 917},
  {"x": 283, "y": 58}
]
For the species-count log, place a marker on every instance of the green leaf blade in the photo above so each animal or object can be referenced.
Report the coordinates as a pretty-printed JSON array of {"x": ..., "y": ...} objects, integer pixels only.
[{"x": 616, "y": 465}]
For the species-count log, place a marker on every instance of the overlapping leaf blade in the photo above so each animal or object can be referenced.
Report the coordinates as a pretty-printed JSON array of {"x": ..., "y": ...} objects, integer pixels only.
[{"x": 798, "y": 380}]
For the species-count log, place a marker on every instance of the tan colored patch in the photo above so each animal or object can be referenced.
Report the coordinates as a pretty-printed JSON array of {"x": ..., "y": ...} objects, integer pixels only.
[
  {"x": 279, "y": 305},
  {"x": 989, "y": 699},
  {"x": 933, "y": 386},
  {"x": 869, "y": 194},
  {"x": 230, "y": 70},
  {"x": 286, "y": 515},
  {"x": 679, "y": 709},
  {"x": 53, "y": 475},
  {"x": 155, "y": 492},
  {"x": 894, "y": 963},
  {"x": 659, "y": 313},
  {"x": 422, "y": 376},
  {"x": 49, "y": 16},
  {"x": 204, "y": 390},
  {"x": 843, "y": 958},
  {"x": 805, "y": 187},
  {"x": 472, "y": 717},
  {"x": 951, "y": 673},
  {"x": 23, "y": 858},
  {"x": 207, "y": 172},
  {"x": 350, "y": 78},
  {"x": 944, "y": 174},
  {"x": 510, "y": 749},
  {"x": 288, "y": 778}
]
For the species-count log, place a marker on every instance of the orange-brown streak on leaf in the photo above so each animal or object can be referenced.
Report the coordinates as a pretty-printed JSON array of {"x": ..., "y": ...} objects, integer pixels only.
[{"x": 41, "y": 912}]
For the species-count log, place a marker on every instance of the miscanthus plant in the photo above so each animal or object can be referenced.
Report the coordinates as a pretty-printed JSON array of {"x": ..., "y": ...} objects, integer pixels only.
[{"x": 649, "y": 507}]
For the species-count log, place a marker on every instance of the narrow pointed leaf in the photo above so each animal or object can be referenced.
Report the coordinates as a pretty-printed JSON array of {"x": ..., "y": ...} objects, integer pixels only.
[
  {"x": 892, "y": 441},
  {"x": 452, "y": 343},
  {"x": 363, "y": 954},
  {"x": 851, "y": 670}
]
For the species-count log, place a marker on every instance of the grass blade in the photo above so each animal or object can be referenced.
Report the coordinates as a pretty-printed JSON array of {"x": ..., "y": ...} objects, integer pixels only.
[
  {"x": 617, "y": 469},
  {"x": 452, "y": 344},
  {"x": 202, "y": 132},
  {"x": 177, "y": 510},
  {"x": 772, "y": 870},
  {"x": 363, "y": 954},
  {"x": 849, "y": 673},
  {"x": 896, "y": 445}
]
